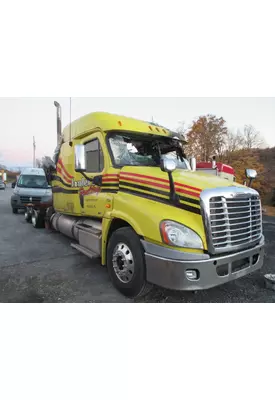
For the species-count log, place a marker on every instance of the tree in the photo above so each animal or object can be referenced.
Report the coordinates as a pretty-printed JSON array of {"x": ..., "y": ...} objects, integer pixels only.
[
  {"x": 252, "y": 138},
  {"x": 207, "y": 137},
  {"x": 233, "y": 142},
  {"x": 243, "y": 159}
]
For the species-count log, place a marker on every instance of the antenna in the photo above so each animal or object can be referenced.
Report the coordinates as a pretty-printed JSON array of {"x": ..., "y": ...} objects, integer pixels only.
[
  {"x": 34, "y": 148},
  {"x": 70, "y": 119}
]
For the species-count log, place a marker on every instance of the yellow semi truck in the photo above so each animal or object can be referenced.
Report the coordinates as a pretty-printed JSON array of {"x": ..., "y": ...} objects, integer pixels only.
[{"x": 125, "y": 193}]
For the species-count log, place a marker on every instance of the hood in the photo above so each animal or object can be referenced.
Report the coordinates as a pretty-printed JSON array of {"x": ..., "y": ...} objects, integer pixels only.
[
  {"x": 33, "y": 191},
  {"x": 190, "y": 179}
]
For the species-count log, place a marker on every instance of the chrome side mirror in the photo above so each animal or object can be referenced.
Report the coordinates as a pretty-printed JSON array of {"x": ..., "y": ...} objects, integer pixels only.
[
  {"x": 80, "y": 158},
  {"x": 193, "y": 163},
  {"x": 251, "y": 173},
  {"x": 168, "y": 165}
]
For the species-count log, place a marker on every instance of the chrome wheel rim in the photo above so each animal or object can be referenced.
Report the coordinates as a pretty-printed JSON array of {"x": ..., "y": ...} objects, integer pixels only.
[
  {"x": 34, "y": 220},
  {"x": 123, "y": 263},
  {"x": 27, "y": 215}
]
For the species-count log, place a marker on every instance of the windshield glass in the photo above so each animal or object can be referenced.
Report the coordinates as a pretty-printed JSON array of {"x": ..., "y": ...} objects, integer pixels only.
[
  {"x": 32, "y": 181},
  {"x": 146, "y": 150}
]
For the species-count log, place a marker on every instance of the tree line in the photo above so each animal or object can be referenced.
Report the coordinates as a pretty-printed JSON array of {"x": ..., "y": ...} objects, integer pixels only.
[{"x": 209, "y": 136}]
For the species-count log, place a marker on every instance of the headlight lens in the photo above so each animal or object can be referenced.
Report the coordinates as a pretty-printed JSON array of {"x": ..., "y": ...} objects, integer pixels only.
[{"x": 179, "y": 235}]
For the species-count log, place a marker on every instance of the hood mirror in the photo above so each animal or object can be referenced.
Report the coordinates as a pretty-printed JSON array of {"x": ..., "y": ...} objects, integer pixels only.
[
  {"x": 251, "y": 173},
  {"x": 167, "y": 165}
]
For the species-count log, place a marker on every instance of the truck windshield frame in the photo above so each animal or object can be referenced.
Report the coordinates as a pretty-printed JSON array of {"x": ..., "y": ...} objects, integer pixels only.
[
  {"x": 32, "y": 182},
  {"x": 143, "y": 150}
]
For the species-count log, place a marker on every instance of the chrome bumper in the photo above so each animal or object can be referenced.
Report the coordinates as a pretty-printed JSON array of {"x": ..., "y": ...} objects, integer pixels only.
[{"x": 167, "y": 268}]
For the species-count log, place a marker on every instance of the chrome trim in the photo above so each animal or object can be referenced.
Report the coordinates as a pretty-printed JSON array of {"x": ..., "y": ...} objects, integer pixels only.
[
  {"x": 228, "y": 193},
  {"x": 161, "y": 251},
  {"x": 170, "y": 273}
]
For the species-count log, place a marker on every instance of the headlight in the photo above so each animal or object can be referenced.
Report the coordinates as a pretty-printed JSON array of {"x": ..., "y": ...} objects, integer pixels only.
[
  {"x": 178, "y": 235},
  {"x": 16, "y": 191}
]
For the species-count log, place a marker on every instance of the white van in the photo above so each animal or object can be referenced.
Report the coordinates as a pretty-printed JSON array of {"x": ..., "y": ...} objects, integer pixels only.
[{"x": 31, "y": 190}]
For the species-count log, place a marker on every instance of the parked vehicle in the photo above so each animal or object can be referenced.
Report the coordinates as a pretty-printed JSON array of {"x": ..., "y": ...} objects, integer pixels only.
[
  {"x": 33, "y": 194},
  {"x": 125, "y": 193},
  {"x": 2, "y": 185}
]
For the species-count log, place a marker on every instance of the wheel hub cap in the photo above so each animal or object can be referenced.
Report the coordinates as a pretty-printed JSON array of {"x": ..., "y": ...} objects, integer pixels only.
[{"x": 123, "y": 263}]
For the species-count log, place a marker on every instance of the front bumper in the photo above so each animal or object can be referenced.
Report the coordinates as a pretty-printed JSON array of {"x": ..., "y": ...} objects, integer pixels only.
[
  {"x": 16, "y": 203},
  {"x": 167, "y": 268}
]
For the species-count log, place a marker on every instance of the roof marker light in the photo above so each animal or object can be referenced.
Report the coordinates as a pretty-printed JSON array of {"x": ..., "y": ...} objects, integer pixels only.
[
  {"x": 150, "y": 128},
  {"x": 119, "y": 123}
]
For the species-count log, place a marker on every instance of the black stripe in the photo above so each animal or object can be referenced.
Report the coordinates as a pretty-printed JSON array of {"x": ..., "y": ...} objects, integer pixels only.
[
  {"x": 58, "y": 179},
  {"x": 109, "y": 191},
  {"x": 189, "y": 200},
  {"x": 160, "y": 200},
  {"x": 157, "y": 191},
  {"x": 110, "y": 184},
  {"x": 58, "y": 189},
  {"x": 148, "y": 189}
]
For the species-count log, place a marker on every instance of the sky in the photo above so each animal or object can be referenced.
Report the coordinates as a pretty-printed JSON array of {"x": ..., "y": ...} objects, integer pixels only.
[{"x": 23, "y": 118}]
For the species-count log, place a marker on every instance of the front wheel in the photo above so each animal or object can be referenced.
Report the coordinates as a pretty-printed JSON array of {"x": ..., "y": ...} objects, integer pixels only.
[
  {"x": 37, "y": 220},
  {"x": 126, "y": 263}
]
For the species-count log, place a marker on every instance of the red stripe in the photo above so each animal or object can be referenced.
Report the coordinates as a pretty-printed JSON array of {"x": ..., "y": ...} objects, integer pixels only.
[
  {"x": 146, "y": 182},
  {"x": 187, "y": 192},
  {"x": 110, "y": 175},
  {"x": 161, "y": 186},
  {"x": 160, "y": 180},
  {"x": 64, "y": 169},
  {"x": 58, "y": 169}
]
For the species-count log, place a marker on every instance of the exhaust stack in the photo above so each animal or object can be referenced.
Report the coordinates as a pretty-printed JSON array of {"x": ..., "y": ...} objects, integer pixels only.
[{"x": 58, "y": 121}]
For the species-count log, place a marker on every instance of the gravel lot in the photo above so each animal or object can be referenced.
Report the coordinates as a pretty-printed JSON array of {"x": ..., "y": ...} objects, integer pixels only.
[{"x": 40, "y": 266}]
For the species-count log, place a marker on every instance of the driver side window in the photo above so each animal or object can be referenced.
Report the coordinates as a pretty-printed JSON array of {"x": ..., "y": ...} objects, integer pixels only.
[{"x": 94, "y": 156}]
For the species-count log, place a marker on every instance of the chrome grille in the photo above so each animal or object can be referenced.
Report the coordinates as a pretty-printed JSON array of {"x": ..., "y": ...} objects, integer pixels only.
[
  {"x": 26, "y": 199},
  {"x": 235, "y": 221}
]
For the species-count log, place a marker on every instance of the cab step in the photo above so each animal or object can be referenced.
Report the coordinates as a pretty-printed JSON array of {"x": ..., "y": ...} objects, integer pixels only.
[{"x": 84, "y": 250}]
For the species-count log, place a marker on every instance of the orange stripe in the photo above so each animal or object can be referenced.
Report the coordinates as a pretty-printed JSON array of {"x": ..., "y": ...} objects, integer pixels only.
[{"x": 160, "y": 180}]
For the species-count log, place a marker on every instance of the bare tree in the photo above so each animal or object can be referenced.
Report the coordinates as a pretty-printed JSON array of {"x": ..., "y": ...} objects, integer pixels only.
[
  {"x": 182, "y": 130},
  {"x": 251, "y": 138}
]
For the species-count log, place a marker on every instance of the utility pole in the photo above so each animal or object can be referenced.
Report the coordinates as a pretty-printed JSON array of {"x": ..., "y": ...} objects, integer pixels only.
[{"x": 34, "y": 148}]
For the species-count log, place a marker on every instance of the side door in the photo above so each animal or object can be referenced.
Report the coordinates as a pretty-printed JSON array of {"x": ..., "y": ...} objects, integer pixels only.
[{"x": 92, "y": 200}]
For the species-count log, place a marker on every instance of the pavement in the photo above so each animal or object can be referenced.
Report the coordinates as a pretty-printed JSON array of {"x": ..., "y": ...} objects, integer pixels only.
[{"x": 41, "y": 266}]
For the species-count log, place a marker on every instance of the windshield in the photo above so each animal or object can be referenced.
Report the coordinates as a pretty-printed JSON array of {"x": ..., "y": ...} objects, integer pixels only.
[
  {"x": 146, "y": 150},
  {"x": 32, "y": 181}
]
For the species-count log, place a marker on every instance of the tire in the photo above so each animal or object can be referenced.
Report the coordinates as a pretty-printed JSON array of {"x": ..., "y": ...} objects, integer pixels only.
[
  {"x": 126, "y": 263},
  {"x": 28, "y": 216},
  {"x": 37, "y": 220},
  {"x": 15, "y": 211}
]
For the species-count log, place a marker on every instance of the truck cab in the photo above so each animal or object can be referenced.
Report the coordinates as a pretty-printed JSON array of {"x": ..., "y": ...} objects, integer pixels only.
[{"x": 125, "y": 193}]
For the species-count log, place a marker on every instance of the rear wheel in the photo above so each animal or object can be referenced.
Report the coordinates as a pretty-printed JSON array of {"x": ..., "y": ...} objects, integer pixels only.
[
  {"x": 37, "y": 220},
  {"x": 126, "y": 263},
  {"x": 15, "y": 211}
]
